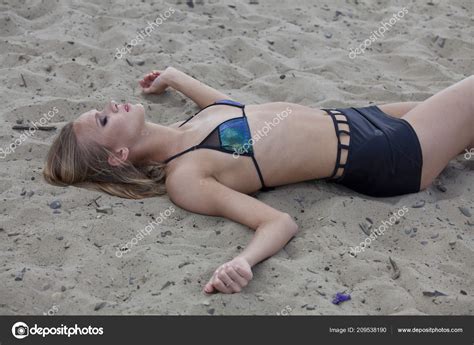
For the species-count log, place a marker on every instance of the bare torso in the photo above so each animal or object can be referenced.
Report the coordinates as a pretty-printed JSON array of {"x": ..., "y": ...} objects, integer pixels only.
[{"x": 297, "y": 147}]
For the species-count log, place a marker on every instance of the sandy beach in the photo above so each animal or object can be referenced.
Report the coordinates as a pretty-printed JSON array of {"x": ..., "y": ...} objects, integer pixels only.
[{"x": 59, "y": 247}]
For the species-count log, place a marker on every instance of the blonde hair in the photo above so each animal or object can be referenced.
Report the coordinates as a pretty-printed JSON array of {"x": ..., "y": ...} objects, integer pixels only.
[{"x": 86, "y": 165}]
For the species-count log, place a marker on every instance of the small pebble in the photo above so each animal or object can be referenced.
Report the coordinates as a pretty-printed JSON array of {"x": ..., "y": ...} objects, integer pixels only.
[
  {"x": 105, "y": 209},
  {"x": 55, "y": 204},
  {"x": 211, "y": 311},
  {"x": 465, "y": 211},
  {"x": 441, "y": 42},
  {"x": 424, "y": 242},
  {"x": 418, "y": 204},
  {"x": 434, "y": 293},
  {"x": 19, "y": 275},
  {"x": 310, "y": 307},
  {"x": 365, "y": 228},
  {"x": 99, "y": 305}
]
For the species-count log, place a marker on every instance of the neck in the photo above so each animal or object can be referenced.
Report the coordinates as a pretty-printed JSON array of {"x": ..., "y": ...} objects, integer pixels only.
[{"x": 157, "y": 143}]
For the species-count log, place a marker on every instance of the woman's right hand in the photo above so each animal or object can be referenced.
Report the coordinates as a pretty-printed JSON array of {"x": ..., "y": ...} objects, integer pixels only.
[{"x": 154, "y": 82}]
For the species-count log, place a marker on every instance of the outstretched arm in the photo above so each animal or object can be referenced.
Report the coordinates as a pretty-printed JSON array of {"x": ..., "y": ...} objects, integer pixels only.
[
  {"x": 200, "y": 93},
  {"x": 273, "y": 228}
]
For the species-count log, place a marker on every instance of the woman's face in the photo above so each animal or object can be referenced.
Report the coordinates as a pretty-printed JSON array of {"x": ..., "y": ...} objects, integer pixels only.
[{"x": 116, "y": 126}]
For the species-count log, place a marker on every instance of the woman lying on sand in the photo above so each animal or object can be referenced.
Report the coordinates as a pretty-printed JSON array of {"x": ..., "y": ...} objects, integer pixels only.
[{"x": 210, "y": 163}]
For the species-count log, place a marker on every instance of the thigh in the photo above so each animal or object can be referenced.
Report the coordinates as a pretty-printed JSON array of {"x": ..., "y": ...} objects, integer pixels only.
[
  {"x": 398, "y": 109},
  {"x": 444, "y": 124}
]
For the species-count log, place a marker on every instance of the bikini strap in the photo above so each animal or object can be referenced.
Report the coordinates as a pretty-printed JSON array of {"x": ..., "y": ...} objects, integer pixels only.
[
  {"x": 340, "y": 146},
  {"x": 181, "y": 153},
  {"x": 219, "y": 102},
  {"x": 264, "y": 188},
  {"x": 230, "y": 102}
]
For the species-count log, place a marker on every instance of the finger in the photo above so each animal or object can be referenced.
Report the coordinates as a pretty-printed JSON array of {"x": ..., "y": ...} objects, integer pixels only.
[
  {"x": 150, "y": 77},
  {"x": 241, "y": 281},
  {"x": 244, "y": 273},
  {"x": 224, "y": 277},
  {"x": 219, "y": 285},
  {"x": 145, "y": 83},
  {"x": 209, "y": 288}
]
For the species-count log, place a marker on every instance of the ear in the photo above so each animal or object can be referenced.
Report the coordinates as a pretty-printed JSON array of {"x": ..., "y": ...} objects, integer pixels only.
[{"x": 118, "y": 157}]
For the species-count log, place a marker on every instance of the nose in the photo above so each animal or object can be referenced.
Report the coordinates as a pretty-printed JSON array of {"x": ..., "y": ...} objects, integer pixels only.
[{"x": 113, "y": 106}]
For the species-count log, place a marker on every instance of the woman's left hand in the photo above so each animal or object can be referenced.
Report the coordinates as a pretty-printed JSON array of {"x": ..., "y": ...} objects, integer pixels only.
[
  {"x": 230, "y": 277},
  {"x": 154, "y": 82}
]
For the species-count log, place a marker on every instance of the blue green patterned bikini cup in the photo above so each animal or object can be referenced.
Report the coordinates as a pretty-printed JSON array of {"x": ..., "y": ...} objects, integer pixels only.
[{"x": 235, "y": 136}]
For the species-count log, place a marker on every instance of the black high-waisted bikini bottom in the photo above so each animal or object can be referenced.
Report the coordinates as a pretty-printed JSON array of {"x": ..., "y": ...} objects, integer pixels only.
[{"x": 384, "y": 155}]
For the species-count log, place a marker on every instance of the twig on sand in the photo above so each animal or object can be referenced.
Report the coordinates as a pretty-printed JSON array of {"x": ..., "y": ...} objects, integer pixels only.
[
  {"x": 24, "y": 81},
  {"x": 41, "y": 128},
  {"x": 396, "y": 270},
  {"x": 95, "y": 201}
]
